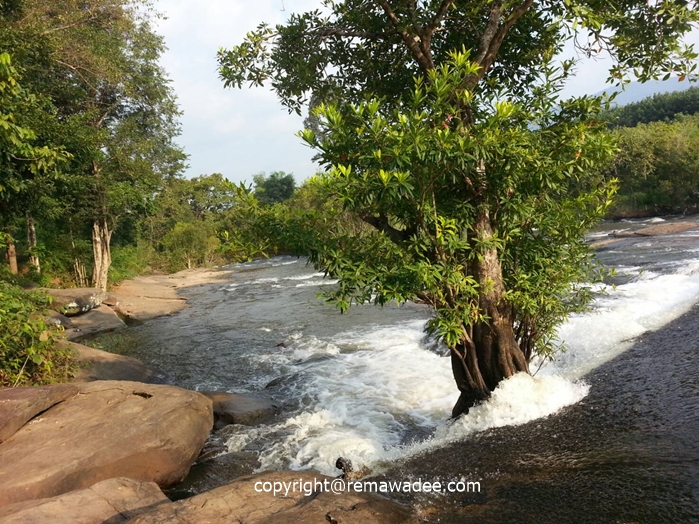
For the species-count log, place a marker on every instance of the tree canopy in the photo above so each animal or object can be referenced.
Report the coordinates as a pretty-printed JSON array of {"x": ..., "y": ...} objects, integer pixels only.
[{"x": 442, "y": 130}]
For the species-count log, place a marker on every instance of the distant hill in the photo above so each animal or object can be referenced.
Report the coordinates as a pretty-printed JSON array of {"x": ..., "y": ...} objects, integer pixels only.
[{"x": 635, "y": 91}]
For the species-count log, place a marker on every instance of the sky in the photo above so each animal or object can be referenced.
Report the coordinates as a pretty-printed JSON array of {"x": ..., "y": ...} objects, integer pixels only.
[{"x": 241, "y": 132}]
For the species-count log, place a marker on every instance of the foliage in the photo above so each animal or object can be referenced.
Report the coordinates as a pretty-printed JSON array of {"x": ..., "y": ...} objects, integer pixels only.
[
  {"x": 191, "y": 244},
  {"x": 415, "y": 168},
  {"x": 658, "y": 168},
  {"x": 659, "y": 107},
  {"x": 275, "y": 188},
  {"x": 28, "y": 351}
]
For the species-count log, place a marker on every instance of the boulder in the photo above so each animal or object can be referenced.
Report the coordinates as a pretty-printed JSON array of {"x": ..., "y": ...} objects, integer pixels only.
[
  {"x": 94, "y": 321},
  {"x": 109, "y": 429},
  {"x": 72, "y": 302},
  {"x": 111, "y": 501},
  {"x": 667, "y": 229},
  {"x": 54, "y": 318},
  {"x": 19, "y": 405},
  {"x": 241, "y": 502},
  {"x": 102, "y": 365},
  {"x": 232, "y": 408}
]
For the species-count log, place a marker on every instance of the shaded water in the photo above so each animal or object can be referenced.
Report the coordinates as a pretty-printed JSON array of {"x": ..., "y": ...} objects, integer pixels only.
[{"x": 370, "y": 386}]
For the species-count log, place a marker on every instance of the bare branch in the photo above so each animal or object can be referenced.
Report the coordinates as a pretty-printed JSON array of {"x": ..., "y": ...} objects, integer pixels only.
[
  {"x": 490, "y": 30},
  {"x": 497, "y": 39}
]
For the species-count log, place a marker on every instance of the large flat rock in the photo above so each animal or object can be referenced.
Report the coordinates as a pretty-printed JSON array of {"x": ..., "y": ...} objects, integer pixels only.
[
  {"x": 111, "y": 501},
  {"x": 19, "y": 405},
  {"x": 75, "y": 301},
  {"x": 109, "y": 429},
  {"x": 241, "y": 502},
  {"x": 102, "y": 365}
]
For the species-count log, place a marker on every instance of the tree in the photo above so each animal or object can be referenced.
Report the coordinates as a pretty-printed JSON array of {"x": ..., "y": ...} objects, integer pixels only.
[
  {"x": 478, "y": 181},
  {"x": 658, "y": 168},
  {"x": 277, "y": 187},
  {"x": 659, "y": 107},
  {"x": 25, "y": 167}
]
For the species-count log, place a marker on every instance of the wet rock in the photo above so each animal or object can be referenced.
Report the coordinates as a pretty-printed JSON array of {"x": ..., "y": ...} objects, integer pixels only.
[
  {"x": 102, "y": 365},
  {"x": 349, "y": 471},
  {"x": 19, "y": 405},
  {"x": 111, "y": 501},
  {"x": 667, "y": 229},
  {"x": 241, "y": 502},
  {"x": 72, "y": 302},
  {"x": 95, "y": 321},
  {"x": 215, "y": 472},
  {"x": 231, "y": 408},
  {"x": 109, "y": 429}
]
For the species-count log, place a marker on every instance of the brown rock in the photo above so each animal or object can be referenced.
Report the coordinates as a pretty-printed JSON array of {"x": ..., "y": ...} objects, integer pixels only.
[
  {"x": 108, "y": 502},
  {"x": 240, "y": 502},
  {"x": 71, "y": 302},
  {"x": 95, "y": 321},
  {"x": 109, "y": 429},
  {"x": 231, "y": 408},
  {"x": 667, "y": 229},
  {"x": 19, "y": 405},
  {"x": 102, "y": 365}
]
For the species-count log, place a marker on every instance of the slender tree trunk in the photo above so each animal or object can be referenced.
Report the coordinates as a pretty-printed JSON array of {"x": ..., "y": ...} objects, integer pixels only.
[
  {"x": 489, "y": 352},
  {"x": 31, "y": 243},
  {"x": 101, "y": 237},
  {"x": 12, "y": 255}
]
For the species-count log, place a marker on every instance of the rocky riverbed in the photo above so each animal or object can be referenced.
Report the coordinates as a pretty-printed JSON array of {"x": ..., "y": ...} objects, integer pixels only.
[{"x": 102, "y": 449}]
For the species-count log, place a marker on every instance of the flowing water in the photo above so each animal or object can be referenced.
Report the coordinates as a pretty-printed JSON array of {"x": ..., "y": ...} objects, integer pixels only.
[{"x": 370, "y": 386}]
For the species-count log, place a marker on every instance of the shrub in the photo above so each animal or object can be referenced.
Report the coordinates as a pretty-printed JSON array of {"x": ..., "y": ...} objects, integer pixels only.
[{"x": 28, "y": 351}]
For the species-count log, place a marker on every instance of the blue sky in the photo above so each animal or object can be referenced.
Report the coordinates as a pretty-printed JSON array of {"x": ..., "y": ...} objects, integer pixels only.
[{"x": 242, "y": 132}]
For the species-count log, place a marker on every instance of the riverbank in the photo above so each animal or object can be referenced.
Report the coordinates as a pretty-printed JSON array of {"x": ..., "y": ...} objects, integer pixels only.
[{"x": 150, "y": 296}]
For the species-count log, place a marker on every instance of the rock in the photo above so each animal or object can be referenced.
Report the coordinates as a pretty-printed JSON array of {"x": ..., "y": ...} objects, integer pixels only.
[
  {"x": 110, "y": 501},
  {"x": 241, "y": 502},
  {"x": 102, "y": 365},
  {"x": 209, "y": 474},
  {"x": 19, "y": 405},
  {"x": 56, "y": 319},
  {"x": 109, "y": 429},
  {"x": 72, "y": 302},
  {"x": 667, "y": 229},
  {"x": 231, "y": 408},
  {"x": 94, "y": 321}
]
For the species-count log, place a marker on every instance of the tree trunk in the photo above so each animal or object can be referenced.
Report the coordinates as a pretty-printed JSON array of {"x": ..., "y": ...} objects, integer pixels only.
[
  {"x": 12, "y": 255},
  {"x": 31, "y": 243},
  {"x": 489, "y": 352},
  {"x": 101, "y": 236}
]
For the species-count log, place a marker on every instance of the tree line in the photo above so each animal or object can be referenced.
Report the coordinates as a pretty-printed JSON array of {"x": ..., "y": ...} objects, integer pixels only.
[{"x": 657, "y": 165}]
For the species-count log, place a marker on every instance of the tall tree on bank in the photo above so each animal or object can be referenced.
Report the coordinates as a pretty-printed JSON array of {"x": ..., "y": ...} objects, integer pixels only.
[
  {"x": 477, "y": 187},
  {"x": 97, "y": 61}
]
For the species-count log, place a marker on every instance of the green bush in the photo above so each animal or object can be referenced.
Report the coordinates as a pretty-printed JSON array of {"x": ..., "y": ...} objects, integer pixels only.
[{"x": 28, "y": 351}]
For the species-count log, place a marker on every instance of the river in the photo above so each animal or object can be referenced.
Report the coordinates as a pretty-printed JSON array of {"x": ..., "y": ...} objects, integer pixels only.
[{"x": 607, "y": 432}]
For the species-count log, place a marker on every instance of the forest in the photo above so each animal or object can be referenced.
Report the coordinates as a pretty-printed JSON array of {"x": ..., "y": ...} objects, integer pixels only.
[{"x": 92, "y": 190}]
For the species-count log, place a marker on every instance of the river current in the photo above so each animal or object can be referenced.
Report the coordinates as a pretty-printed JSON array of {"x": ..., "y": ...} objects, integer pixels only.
[{"x": 607, "y": 432}]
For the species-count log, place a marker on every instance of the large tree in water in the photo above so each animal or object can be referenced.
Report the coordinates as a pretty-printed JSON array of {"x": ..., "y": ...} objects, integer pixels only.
[{"x": 442, "y": 129}]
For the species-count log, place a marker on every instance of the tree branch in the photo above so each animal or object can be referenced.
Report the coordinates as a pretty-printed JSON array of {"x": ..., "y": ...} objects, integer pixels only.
[
  {"x": 497, "y": 39},
  {"x": 411, "y": 40},
  {"x": 437, "y": 18},
  {"x": 381, "y": 223}
]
